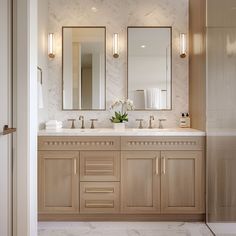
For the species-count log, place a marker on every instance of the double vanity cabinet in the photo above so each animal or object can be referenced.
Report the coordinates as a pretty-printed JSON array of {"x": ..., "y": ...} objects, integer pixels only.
[{"x": 121, "y": 175}]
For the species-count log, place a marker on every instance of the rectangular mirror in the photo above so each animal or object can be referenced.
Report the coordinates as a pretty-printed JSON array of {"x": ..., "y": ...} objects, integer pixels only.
[
  {"x": 84, "y": 68},
  {"x": 149, "y": 67}
]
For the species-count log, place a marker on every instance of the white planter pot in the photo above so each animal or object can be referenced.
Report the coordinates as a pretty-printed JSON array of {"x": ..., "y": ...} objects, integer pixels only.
[{"x": 118, "y": 126}]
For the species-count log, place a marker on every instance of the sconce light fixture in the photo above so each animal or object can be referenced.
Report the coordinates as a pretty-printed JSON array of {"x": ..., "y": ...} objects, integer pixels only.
[
  {"x": 115, "y": 45},
  {"x": 183, "y": 45},
  {"x": 51, "y": 45}
]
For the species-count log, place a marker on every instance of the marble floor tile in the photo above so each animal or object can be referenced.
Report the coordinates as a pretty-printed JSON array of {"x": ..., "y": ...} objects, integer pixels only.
[{"x": 122, "y": 229}]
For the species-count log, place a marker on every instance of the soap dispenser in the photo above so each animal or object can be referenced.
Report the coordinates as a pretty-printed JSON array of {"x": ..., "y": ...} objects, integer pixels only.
[{"x": 184, "y": 121}]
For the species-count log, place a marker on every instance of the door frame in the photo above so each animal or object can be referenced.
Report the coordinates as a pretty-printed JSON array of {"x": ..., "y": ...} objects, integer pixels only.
[{"x": 25, "y": 117}]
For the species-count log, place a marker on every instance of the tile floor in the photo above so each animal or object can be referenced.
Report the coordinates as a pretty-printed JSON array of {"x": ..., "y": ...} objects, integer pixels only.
[{"x": 122, "y": 229}]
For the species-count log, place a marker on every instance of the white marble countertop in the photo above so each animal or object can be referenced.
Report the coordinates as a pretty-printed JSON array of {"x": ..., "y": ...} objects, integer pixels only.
[{"x": 126, "y": 132}]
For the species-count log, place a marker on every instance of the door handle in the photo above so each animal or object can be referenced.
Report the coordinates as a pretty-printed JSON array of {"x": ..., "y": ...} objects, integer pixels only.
[
  {"x": 157, "y": 165},
  {"x": 163, "y": 165},
  {"x": 7, "y": 130}
]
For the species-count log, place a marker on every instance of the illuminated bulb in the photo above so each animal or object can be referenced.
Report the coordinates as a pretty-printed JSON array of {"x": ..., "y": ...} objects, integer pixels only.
[
  {"x": 51, "y": 45},
  {"x": 94, "y": 9},
  {"x": 143, "y": 46},
  {"x": 115, "y": 45},
  {"x": 183, "y": 45}
]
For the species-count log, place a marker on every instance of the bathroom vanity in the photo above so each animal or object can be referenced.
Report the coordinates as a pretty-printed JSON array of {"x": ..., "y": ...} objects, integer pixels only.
[{"x": 135, "y": 174}]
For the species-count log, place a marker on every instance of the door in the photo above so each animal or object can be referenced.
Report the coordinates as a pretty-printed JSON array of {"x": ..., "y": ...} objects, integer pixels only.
[
  {"x": 58, "y": 181},
  {"x": 5, "y": 119},
  {"x": 140, "y": 181},
  {"x": 182, "y": 182}
]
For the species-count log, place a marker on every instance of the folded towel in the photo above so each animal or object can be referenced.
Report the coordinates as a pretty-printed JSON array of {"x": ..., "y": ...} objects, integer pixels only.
[{"x": 54, "y": 124}]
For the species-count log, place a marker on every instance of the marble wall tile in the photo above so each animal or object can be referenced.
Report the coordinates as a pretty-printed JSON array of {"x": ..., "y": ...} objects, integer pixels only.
[{"x": 116, "y": 16}]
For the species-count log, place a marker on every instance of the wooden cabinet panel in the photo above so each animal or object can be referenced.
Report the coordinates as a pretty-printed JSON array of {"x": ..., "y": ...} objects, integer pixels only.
[
  {"x": 181, "y": 182},
  {"x": 99, "y": 197},
  {"x": 77, "y": 143},
  {"x": 58, "y": 181},
  {"x": 162, "y": 143},
  {"x": 140, "y": 181},
  {"x": 99, "y": 166}
]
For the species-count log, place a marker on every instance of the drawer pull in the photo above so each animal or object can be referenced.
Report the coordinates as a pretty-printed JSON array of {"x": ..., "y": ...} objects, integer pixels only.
[
  {"x": 157, "y": 166},
  {"x": 99, "y": 205},
  {"x": 99, "y": 190}
]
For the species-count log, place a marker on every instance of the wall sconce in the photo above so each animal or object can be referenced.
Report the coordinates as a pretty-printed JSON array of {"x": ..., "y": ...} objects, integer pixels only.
[
  {"x": 115, "y": 45},
  {"x": 183, "y": 45},
  {"x": 51, "y": 45}
]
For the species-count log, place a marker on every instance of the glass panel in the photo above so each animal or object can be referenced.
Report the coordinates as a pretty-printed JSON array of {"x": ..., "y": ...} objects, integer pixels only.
[{"x": 221, "y": 117}]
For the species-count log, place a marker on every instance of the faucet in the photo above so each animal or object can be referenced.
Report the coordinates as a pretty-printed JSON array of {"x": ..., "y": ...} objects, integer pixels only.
[
  {"x": 150, "y": 122},
  {"x": 140, "y": 123},
  {"x": 82, "y": 122},
  {"x": 160, "y": 123}
]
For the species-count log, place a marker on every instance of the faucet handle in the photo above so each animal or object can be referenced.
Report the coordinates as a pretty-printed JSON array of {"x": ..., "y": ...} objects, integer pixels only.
[
  {"x": 140, "y": 123},
  {"x": 160, "y": 123},
  {"x": 73, "y": 123},
  {"x": 92, "y": 123}
]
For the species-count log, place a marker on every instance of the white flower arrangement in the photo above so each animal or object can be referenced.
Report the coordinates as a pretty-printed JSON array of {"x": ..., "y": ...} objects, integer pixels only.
[{"x": 121, "y": 106}]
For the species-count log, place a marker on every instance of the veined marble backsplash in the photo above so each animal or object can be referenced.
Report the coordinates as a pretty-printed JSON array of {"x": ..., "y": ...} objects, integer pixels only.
[{"x": 116, "y": 16}]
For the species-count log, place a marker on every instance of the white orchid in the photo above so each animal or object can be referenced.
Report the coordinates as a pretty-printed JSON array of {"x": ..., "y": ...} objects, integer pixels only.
[{"x": 121, "y": 106}]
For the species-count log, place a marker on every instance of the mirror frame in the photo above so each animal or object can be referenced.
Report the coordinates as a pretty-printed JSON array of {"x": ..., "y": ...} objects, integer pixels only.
[
  {"x": 105, "y": 45},
  {"x": 171, "y": 53}
]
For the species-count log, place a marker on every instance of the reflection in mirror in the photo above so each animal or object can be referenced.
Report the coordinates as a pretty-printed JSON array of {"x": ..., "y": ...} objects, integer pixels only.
[
  {"x": 84, "y": 68},
  {"x": 149, "y": 67}
]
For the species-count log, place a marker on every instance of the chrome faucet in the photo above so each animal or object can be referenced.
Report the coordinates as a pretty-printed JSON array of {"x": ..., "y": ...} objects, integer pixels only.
[
  {"x": 150, "y": 122},
  {"x": 82, "y": 122}
]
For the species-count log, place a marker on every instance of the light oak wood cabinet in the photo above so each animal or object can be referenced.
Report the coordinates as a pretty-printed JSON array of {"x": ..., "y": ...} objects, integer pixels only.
[
  {"x": 99, "y": 197},
  {"x": 133, "y": 178},
  {"x": 99, "y": 166},
  {"x": 182, "y": 182},
  {"x": 140, "y": 181},
  {"x": 58, "y": 181}
]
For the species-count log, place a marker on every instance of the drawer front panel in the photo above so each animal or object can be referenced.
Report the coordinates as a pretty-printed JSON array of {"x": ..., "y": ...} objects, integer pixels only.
[
  {"x": 78, "y": 143},
  {"x": 99, "y": 197},
  {"x": 162, "y": 143},
  {"x": 99, "y": 166}
]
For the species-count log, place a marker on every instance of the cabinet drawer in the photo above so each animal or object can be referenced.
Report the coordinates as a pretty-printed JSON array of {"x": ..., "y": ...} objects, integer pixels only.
[
  {"x": 99, "y": 166},
  {"x": 99, "y": 197},
  {"x": 78, "y": 143}
]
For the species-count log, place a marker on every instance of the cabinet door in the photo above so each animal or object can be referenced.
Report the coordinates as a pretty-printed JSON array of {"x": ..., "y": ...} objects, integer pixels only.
[
  {"x": 182, "y": 182},
  {"x": 99, "y": 166},
  {"x": 58, "y": 181},
  {"x": 140, "y": 181}
]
